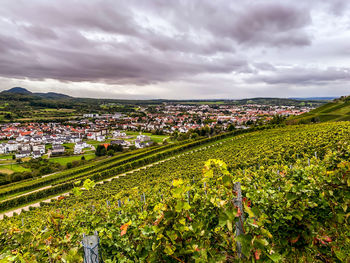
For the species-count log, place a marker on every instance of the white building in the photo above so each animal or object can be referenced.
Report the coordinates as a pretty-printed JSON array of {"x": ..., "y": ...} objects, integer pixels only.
[
  {"x": 118, "y": 134},
  {"x": 101, "y": 138},
  {"x": 12, "y": 146},
  {"x": 22, "y": 154},
  {"x": 79, "y": 146},
  {"x": 39, "y": 148},
  {"x": 143, "y": 138}
]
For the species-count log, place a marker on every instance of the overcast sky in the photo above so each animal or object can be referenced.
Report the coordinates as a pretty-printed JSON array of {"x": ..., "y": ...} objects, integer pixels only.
[{"x": 176, "y": 49}]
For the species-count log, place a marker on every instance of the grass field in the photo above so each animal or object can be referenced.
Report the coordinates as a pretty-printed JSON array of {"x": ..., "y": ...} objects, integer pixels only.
[
  {"x": 155, "y": 138},
  {"x": 14, "y": 168},
  {"x": 6, "y": 156},
  {"x": 67, "y": 159}
]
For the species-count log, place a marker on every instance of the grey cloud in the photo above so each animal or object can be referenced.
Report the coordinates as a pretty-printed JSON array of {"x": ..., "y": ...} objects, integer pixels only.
[
  {"x": 40, "y": 32},
  {"x": 274, "y": 24},
  {"x": 251, "y": 22},
  {"x": 132, "y": 42},
  {"x": 302, "y": 76}
]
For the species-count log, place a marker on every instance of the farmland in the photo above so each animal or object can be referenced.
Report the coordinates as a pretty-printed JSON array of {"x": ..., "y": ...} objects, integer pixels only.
[{"x": 294, "y": 179}]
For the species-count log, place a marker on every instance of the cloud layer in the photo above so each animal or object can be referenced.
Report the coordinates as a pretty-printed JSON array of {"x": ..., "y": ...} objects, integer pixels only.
[{"x": 176, "y": 49}]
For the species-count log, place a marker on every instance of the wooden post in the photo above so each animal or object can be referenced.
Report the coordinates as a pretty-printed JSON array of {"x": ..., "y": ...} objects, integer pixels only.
[
  {"x": 239, "y": 225},
  {"x": 90, "y": 244}
]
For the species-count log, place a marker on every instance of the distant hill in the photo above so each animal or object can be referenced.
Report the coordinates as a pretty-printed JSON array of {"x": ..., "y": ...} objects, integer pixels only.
[
  {"x": 48, "y": 95},
  {"x": 17, "y": 90},
  {"x": 262, "y": 101},
  {"x": 336, "y": 110},
  {"x": 315, "y": 98},
  {"x": 281, "y": 102},
  {"x": 53, "y": 95}
]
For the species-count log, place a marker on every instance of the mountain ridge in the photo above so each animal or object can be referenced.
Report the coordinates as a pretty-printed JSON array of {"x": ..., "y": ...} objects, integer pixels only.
[{"x": 47, "y": 95}]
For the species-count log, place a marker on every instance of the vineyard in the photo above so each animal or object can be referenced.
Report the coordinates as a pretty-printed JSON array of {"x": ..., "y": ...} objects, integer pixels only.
[
  {"x": 295, "y": 183},
  {"x": 21, "y": 193}
]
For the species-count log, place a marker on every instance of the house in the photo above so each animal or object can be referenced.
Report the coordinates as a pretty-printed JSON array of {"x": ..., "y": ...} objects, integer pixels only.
[
  {"x": 143, "y": 138},
  {"x": 90, "y": 115},
  {"x": 119, "y": 142},
  {"x": 25, "y": 147},
  {"x": 22, "y": 154},
  {"x": 79, "y": 146},
  {"x": 57, "y": 149},
  {"x": 91, "y": 136},
  {"x": 118, "y": 134},
  {"x": 3, "y": 148},
  {"x": 39, "y": 148},
  {"x": 101, "y": 138},
  {"x": 36, "y": 139},
  {"x": 74, "y": 139},
  {"x": 36, "y": 154},
  {"x": 11, "y": 146},
  {"x": 140, "y": 144}
]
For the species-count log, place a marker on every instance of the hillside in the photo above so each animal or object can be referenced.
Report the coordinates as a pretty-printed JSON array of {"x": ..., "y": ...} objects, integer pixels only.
[
  {"x": 53, "y": 106},
  {"x": 295, "y": 188},
  {"x": 336, "y": 110}
]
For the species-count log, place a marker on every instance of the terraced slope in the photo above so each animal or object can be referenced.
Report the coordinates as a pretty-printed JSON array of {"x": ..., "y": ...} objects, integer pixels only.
[
  {"x": 29, "y": 191},
  {"x": 295, "y": 181},
  {"x": 337, "y": 110}
]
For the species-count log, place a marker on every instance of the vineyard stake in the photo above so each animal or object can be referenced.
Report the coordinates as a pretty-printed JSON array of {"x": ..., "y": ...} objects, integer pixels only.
[
  {"x": 119, "y": 205},
  {"x": 239, "y": 225},
  {"x": 90, "y": 244}
]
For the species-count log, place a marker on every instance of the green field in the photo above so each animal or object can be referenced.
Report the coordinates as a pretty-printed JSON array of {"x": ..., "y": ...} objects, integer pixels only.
[
  {"x": 6, "y": 156},
  {"x": 13, "y": 168},
  {"x": 68, "y": 159},
  {"x": 155, "y": 138}
]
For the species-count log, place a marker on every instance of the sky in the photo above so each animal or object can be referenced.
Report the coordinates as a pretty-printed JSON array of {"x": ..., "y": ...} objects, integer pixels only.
[{"x": 178, "y": 49}]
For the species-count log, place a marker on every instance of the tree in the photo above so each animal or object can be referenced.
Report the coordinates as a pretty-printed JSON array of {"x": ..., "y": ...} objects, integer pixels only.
[
  {"x": 231, "y": 127},
  {"x": 101, "y": 150},
  {"x": 8, "y": 116},
  {"x": 277, "y": 119}
]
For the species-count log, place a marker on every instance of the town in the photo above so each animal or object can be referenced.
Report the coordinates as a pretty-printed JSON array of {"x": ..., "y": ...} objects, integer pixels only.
[{"x": 36, "y": 139}]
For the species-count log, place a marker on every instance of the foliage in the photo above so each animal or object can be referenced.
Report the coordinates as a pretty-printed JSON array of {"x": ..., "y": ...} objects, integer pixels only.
[{"x": 296, "y": 206}]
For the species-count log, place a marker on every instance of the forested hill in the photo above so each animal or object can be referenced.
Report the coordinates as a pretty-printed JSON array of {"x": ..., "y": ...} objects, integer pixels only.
[{"x": 336, "y": 110}]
